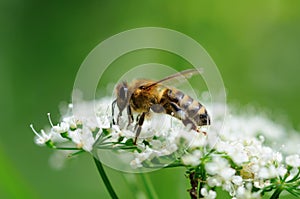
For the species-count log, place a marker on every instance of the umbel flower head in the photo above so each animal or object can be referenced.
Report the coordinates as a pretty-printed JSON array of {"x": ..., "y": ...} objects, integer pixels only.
[{"x": 244, "y": 160}]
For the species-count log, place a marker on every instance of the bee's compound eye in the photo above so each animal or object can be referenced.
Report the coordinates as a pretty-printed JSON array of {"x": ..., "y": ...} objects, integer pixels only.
[
  {"x": 142, "y": 87},
  {"x": 123, "y": 92}
]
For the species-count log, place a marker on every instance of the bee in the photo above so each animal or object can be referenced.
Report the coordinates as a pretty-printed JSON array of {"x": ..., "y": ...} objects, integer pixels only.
[{"x": 142, "y": 96}]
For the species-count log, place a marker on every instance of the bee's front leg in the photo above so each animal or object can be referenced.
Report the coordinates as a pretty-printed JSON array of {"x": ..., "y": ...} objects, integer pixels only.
[
  {"x": 113, "y": 104},
  {"x": 130, "y": 116},
  {"x": 139, "y": 126}
]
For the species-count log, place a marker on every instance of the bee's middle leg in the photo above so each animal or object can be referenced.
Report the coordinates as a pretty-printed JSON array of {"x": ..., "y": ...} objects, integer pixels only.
[
  {"x": 139, "y": 126},
  {"x": 130, "y": 116},
  {"x": 118, "y": 117}
]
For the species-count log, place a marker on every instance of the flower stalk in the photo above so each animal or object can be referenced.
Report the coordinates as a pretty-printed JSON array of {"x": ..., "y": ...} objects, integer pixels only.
[
  {"x": 148, "y": 186},
  {"x": 277, "y": 192},
  {"x": 105, "y": 179}
]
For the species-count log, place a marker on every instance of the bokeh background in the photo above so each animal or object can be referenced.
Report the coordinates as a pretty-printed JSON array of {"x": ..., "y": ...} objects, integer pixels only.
[{"x": 256, "y": 45}]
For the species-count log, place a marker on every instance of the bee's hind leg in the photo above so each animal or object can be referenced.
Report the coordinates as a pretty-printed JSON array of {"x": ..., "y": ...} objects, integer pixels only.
[
  {"x": 139, "y": 127},
  {"x": 182, "y": 115}
]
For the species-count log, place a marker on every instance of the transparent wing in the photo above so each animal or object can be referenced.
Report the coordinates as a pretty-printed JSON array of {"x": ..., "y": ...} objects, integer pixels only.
[{"x": 177, "y": 77}]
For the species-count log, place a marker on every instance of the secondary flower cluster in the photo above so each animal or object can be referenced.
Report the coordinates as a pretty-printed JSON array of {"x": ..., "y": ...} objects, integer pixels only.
[
  {"x": 241, "y": 161},
  {"x": 244, "y": 167}
]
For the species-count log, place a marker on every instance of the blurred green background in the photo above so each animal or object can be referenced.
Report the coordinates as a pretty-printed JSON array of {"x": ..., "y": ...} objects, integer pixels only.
[{"x": 255, "y": 44}]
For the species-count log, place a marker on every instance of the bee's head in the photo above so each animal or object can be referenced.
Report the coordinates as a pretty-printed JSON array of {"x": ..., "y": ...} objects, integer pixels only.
[{"x": 122, "y": 95}]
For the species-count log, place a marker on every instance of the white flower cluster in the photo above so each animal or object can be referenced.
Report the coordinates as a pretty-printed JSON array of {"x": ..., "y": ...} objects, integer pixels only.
[
  {"x": 244, "y": 161},
  {"x": 238, "y": 166},
  {"x": 82, "y": 129}
]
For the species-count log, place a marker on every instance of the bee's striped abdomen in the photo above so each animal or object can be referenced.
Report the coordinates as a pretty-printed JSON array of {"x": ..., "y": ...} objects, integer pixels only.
[{"x": 193, "y": 109}]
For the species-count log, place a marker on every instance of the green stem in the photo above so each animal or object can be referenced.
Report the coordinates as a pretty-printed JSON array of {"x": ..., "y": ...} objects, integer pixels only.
[
  {"x": 202, "y": 178},
  {"x": 67, "y": 148},
  {"x": 149, "y": 187},
  {"x": 76, "y": 153},
  {"x": 295, "y": 177},
  {"x": 277, "y": 192},
  {"x": 116, "y": 148},
  {"x": 105, "y": 179},
  {"x": 174, "y": 165}
]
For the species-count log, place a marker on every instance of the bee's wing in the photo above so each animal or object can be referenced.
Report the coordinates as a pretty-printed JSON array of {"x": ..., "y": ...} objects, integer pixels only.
[{"x": 180, "y": 76}]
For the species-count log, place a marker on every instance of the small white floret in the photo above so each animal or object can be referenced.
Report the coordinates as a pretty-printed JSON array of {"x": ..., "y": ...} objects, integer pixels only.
[
  {"x": 293, "y": 160},
  {"x": 41, "y": 138}
]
